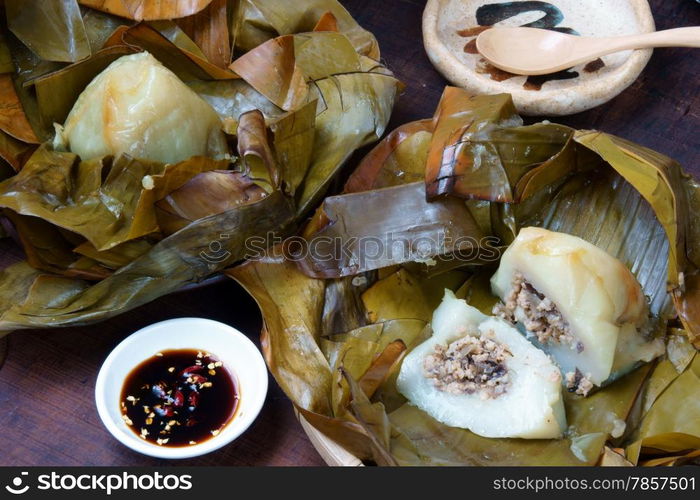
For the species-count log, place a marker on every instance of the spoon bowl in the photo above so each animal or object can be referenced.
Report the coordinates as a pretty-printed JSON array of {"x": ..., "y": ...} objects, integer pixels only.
[{"x": 533, "y": 51}]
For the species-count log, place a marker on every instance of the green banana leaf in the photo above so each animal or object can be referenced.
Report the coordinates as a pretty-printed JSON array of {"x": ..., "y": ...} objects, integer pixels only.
[
  {"x": 106, "y": 235},
  {"x": 208, "y": 193},
  {"x": 256, "y": 21},
  {"x": 53, "y": 30},
  {"x": 6, "y": 64},
  {"x": 671, "y": 424},
  {"x": 355, "y": 109},
  {"x": 119, "y": 256},
  {"x": 283, "y": 84},
  {"x": 46, "y": 249},
  {"x": 232, "y": 98},
  {"x": 14, "y": 152},
  {"x": 445, "y": 226},
  {"x": 173, "y": 32},
  {"x": 489, "y": 176},
  {"x": 100, "y": 26},
  {"x": 73, "y": 195},
  {"x": 188, "y": 256}
]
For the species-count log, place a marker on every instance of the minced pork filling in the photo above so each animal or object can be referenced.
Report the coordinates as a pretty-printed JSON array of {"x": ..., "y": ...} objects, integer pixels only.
[
  {"x": 469, "y": 365},
  {"x": 542, "y": 317}
]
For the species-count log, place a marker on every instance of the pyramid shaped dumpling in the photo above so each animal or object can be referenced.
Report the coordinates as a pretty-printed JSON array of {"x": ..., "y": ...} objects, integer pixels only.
[{"x": 139, "y": 107}]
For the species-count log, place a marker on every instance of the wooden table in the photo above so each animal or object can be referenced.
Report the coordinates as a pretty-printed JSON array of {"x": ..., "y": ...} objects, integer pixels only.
[{"x": 47, "y": 411}]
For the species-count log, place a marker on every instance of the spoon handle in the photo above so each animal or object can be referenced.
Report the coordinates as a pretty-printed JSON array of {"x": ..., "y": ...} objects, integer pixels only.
[{"x": 678, "y": 37}]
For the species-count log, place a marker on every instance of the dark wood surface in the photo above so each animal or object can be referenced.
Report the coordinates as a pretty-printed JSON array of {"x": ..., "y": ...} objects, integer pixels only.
[{"x": 47, "y": 411}]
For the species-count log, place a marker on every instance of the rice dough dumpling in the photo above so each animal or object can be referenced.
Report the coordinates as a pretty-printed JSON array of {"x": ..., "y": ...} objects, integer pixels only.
[
  {"x": 578, "y": 303},
  {"x": 139, "y": 107},
  {"x": 479, "y": 373}
]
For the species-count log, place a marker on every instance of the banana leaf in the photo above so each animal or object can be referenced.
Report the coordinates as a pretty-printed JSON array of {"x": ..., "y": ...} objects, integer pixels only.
[
  {"x": 282, "y": 82},
  {"x": 256, "y": 157},
  {"x": 387, "y": 238},
  {"x": 257, "y": 21},
  {"x": 398, "y": 159},
  {"x": 13, "y": 121},
  {"x": 671, "y": 425},
  {"x": 48, "y": 250},
  {"x": 28, "y": 67},
  {"x": 147, "y": 10},
  {"x": 100, "y": 26},
  {"x": 173, "y": 32},
  {"x": 294, "y": 137},
  {"x": 209, "y": 30},
  {"x": 232, "y": 98},
  {"x": 327, "y": 22},
  {"x": 321, "y": 54},
  {"x": 354, "y": 111},
  {"x": 496, "y": 176},
  {"x": 116, "y": 257},
  {"x": 188, "y": 256},
  {"x": 185, "y": 64},
  {"x": 107, "y": 202},
  {"x": 14, "y": 152},
  {"x": 6, "y": 64},
  {"x": 52, "y": 29},
  {"x": 208, "y": 193}
]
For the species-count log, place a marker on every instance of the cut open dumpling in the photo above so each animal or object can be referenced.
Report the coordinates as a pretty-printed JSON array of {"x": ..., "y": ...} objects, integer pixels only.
[
  {"x": 139, "y": 107},
  {"x": 578, "y": 303},
  {"x": 479, "y": 373}
]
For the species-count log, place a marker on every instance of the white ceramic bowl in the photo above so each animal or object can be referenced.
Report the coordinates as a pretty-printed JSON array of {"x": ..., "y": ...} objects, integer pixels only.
[{"x": 239, "y": 355}]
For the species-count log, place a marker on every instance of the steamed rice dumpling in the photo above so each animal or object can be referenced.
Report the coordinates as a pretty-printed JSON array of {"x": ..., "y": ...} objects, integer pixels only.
[
  {"x": 478, "y": 373},
  {"x": 578, "y": 303},
  {"x": 139, "y": 107}
]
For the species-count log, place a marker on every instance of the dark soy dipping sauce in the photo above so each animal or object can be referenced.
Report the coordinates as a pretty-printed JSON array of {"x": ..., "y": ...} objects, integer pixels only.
[{"x": 179, "y": 398}]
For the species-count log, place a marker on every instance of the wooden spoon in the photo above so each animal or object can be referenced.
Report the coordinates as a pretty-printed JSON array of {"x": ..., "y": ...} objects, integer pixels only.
[{"x": 533, "y": 51}]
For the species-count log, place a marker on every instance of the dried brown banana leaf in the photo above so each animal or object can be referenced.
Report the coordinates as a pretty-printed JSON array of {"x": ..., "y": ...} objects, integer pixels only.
[
  {"x": 46, "y": 249},
  {"x": 209, "y": 30},
  {"x": 232, "y": 98},
  {"x": 206, "y": 194},
  {"x": 271, "y": 69},
  {"x": 14, "y": 152},
  {"x": 256, "y": 21},
  {"x": 116, "y": 257},
  {"x": 398, "y": 225},
  {"x": 13, "y": 121},
  {"x": 173, "y": 32}
]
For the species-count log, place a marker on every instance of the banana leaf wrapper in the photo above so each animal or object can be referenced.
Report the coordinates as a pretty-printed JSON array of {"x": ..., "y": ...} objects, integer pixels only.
[
  {"x": 53, "y": 30},
  {"x": 256, "y": 21},
  {"x": 636, "y": 204},
  {"x": 106, "y": 235},
  {"x": 146, "y": 10}
]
